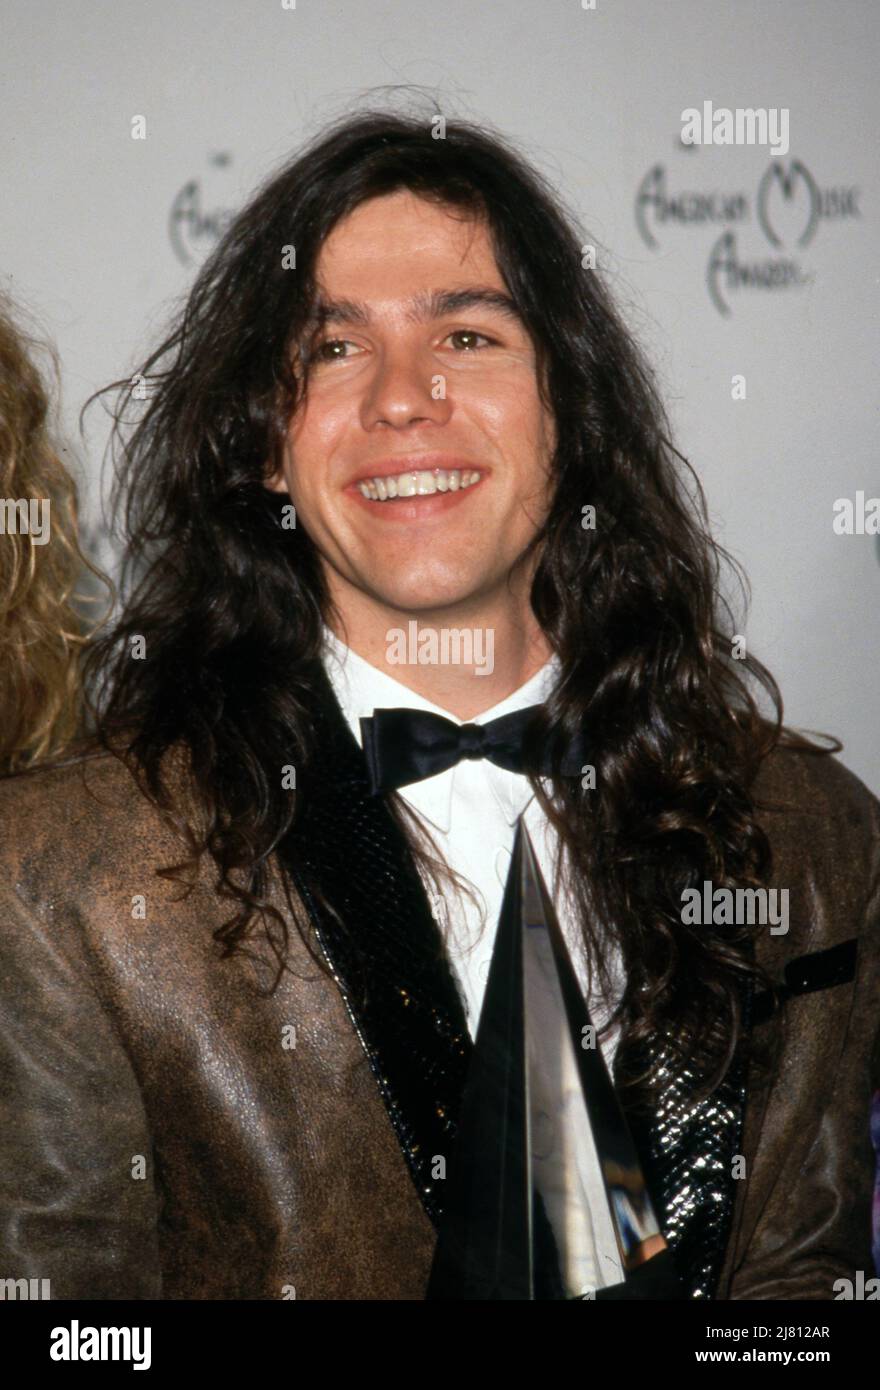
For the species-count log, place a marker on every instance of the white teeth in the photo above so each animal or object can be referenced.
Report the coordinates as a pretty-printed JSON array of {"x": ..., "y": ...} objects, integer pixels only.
[{"x": 421, "y": 484}]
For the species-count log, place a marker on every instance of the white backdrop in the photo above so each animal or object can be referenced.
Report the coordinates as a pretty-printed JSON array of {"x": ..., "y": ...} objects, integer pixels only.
[{"x": 100, "y": 233}]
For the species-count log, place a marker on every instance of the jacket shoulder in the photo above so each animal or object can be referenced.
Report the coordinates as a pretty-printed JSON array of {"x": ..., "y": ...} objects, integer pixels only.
[
  {"x": 817, "y": 789},
  {"x": 78, "y": 819},
  {"x": 823, "y": 824}
]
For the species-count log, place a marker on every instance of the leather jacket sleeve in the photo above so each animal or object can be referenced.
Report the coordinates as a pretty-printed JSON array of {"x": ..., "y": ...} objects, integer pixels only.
[
  {"x": 805, "y": 1220},
  {"x": 77, "y": 1201}
]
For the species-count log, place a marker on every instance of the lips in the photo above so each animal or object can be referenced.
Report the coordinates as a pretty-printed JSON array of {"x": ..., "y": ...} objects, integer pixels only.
[
  {"x": 423, "y": 483},
  {"x": 415, "y": 494},
  {"x": 392, "y": 465},
  {"x": 415, "y": 487}
]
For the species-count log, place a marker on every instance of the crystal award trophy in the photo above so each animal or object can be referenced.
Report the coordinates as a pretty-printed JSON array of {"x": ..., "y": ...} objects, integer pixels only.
[{"x": 545, "y": 1170}]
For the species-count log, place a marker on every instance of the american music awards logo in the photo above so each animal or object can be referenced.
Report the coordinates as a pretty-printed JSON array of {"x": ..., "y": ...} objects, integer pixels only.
[
  {"x": 198, "y": 218},
  {"x": 785, "y": 209}
]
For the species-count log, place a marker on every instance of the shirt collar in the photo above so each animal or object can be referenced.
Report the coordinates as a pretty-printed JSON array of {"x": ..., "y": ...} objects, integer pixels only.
[{"x": 361, "y": 688}]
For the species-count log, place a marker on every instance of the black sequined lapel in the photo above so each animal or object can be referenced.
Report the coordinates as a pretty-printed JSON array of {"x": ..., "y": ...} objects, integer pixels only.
[
  {"x": 687, "y": 1149},
  {"x": 353, "y": 870}
]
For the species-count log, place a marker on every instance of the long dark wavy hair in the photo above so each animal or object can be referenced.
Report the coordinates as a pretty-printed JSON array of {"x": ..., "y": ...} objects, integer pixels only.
[{"x": 230, "y": 604}]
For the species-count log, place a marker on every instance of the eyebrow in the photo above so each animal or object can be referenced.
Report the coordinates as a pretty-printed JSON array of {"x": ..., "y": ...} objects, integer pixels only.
[{"x": 434, "y": 304}]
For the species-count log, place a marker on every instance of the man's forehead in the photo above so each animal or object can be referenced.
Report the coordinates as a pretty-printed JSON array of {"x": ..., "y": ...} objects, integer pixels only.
[
  {"x": 401, "y": 256},
  {"x": 381, "y": 230}
]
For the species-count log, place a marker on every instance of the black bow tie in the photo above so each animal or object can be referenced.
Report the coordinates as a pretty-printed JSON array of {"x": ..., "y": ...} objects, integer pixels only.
[{"x": 407, "y": 745}]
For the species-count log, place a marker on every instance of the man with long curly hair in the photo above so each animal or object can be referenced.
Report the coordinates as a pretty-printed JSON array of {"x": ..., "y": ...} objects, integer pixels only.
[{"x": 402, "y": 474}]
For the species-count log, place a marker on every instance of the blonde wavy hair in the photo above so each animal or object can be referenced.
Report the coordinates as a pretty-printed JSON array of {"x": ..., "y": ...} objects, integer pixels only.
[{"x": 41, "y": 631}]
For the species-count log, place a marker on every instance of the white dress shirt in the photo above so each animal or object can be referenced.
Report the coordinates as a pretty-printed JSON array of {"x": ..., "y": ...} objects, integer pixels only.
[{"x": 471, "y": 811}]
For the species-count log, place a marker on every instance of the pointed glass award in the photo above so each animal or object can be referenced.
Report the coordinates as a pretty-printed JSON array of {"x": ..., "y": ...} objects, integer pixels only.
[{"x": 545, "y": 1171}]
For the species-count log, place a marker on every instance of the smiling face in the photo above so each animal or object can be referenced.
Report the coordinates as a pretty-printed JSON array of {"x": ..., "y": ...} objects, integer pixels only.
[{"x": 418, "y": 460}]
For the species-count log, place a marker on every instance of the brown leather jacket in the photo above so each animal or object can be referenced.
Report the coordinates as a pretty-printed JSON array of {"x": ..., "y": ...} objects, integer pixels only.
[{"x": 161, "y": 1137}]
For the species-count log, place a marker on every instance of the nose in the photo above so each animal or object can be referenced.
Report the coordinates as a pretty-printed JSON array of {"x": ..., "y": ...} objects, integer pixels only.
[{"x": 405, "y": 388}]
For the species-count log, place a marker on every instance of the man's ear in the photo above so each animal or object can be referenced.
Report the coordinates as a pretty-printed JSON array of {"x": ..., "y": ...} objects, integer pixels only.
[{"x": 276, "y": 482}]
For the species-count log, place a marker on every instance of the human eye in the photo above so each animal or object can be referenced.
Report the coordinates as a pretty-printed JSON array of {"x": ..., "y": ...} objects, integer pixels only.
[
  {"x": 325, "y": 351},
  {"x": 470, "y": 333}
]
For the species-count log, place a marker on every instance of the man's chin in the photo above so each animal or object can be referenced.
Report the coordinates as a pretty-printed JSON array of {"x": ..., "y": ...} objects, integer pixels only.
[
  {"x": 420, "y": 595},
  {"x": 435, "y": 604}
]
